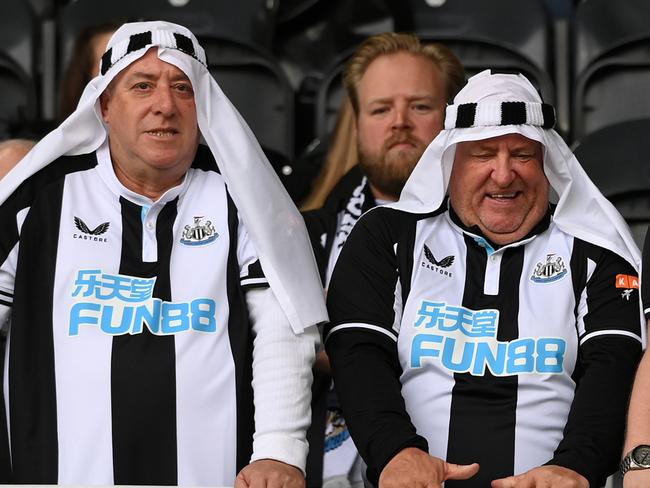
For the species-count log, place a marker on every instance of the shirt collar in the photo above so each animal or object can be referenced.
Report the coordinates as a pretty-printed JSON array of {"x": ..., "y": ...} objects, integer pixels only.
[{"x": 107, "y": 173}]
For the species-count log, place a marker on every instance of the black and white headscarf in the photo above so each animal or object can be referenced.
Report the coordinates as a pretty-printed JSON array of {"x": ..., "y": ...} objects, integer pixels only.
[
  {"x": 273, "y": 222},
  {"x": 492, "y": 105}
]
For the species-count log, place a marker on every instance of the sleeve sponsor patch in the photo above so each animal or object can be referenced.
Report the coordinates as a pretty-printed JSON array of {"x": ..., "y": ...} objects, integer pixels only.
[{"x": 627, "y": 281}]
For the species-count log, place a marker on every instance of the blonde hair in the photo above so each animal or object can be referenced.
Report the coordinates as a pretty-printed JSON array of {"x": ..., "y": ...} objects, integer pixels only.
[
  {"x": 341, "y": 157},
  {"x": 342, "y": 154},
  {"x": 393, "y": 43}
]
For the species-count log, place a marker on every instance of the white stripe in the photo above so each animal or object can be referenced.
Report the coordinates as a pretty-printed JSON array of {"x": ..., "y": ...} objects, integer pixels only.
[
  {"x": 493, "y": 273},
  {"x": 82, "y": 363},
  {"x": 397, "y": 301},
  {"x": 206, "y": 395},
  {"x": 534, "y": 114},
  {"x": 488, "y": 114},
  {"x": 163, "y": 38},
  {"x": 609, "y": 332},
  {"x": 376, "y": 328},
  {"x": 583, "y": 308},
  {"x": 254, "y": 281},
  {"x": 451, "y": 116}
]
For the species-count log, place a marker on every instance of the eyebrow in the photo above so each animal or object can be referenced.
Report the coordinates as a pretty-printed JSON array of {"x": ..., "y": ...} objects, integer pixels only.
[
  {"x": 152, "y": 77},
  {"x": 415, "y": 98}
]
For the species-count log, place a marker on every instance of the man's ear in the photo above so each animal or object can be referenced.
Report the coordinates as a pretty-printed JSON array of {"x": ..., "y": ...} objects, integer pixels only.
[{"x": 103, "y": 104}]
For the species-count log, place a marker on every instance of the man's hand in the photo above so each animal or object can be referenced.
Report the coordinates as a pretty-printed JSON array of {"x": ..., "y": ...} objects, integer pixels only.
[
  {"x": 637, "y": 479},
  {"x": 268, "y": 473},
  {"x": 415, "y": 468},
  {"x": 555, "y": 476}
]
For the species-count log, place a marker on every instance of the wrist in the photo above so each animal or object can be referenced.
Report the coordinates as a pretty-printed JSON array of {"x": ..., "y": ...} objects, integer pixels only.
[{"x": 637, "y": 458}]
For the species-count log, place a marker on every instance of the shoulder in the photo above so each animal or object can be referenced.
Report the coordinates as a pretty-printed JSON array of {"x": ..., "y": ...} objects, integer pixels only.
[
  {"x": 393, "y": 222},
  {"x": 36, "y": 185},
  {"x": 601, "y": 256}
]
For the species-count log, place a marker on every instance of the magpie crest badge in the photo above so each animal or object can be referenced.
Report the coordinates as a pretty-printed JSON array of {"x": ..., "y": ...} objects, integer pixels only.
[
  {"x": 199, "y": 234},
  {"x": 550, "y": 270}
]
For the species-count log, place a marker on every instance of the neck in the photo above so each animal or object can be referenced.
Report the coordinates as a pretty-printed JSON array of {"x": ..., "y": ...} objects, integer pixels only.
[
  {"x": 144, "y": 184},
  {"x": 380, "y": 195}
]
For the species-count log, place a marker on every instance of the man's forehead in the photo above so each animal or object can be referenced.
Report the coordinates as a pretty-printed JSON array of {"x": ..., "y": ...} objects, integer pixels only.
[
  {"x": 150, "y": 66},
  {"x": 512, "y": 139}
]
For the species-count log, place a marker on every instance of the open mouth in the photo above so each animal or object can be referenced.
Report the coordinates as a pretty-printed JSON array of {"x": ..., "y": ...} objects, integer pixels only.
[
  {"x": 503, "y": 197},
  {"x": 162, "y": 132}
]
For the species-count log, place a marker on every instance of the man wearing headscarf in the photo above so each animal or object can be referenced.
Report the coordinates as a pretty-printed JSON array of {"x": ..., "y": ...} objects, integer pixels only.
[
  {"x": 160, "y": 294},
  {"x": 488, "y": 327}
]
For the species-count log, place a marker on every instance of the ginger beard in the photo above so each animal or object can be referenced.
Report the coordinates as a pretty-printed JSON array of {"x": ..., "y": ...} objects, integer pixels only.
[{"x": 390, "y": 167}]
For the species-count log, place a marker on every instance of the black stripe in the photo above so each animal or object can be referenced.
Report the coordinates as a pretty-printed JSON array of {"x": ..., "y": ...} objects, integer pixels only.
[
  {"x": 548, "y": 112},
  {"x": 106, "y": 61},
  {"x": 143, "y": 372},
  {"x": 483, "y": 408},
  {"x": 465, "y": 115},
  {"x": 513, "y": 113},
  {"x": 578, "y": 265},
  {"x": 10, "y": 295},
  {"x": 5, "y": 465},
  {"x": 5, "y": 303},
  {"x": 184, "y": 44},
  {"x": 138, "y": 41},
  {"x": 32, "y": 399},
  {"x": 241, "y": 345}
]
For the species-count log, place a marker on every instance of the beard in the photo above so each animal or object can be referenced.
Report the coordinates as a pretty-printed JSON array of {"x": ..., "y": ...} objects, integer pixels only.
[{"x": 388, "y": 170}]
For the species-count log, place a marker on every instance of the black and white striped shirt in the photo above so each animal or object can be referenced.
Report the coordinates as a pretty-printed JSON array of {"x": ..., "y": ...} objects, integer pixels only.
[
  {"x": 510, "y": 357},
  {"x": 130, "y": 349}
]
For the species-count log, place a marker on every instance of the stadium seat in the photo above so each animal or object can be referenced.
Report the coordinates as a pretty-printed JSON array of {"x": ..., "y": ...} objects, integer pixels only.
[
  {"x": 506, "y": 35},
  {"x": 251, "y": 22},
  {"x": 617, "y": 160},
  {"x": 612, "y": 64},
  {"x": 18, "y": 41},
  {"x": 311, "y": 34},
  {"x": 255, "y": 83},
  {"x": 482, "y": 34}
]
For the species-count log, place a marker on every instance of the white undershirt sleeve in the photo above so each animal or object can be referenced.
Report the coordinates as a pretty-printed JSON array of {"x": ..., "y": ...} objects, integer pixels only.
[{"x": 282, "y": 377}]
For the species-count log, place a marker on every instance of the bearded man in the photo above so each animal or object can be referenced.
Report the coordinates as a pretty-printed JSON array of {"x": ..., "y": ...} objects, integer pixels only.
[{"x": 398, "y": 88}]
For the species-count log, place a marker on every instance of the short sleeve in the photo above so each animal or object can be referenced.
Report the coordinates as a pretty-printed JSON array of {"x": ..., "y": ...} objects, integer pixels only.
[
  {"x": 364, "y": 287},
  {"x": 251, "y": 274},
  {"x": 610, "y": 301}
]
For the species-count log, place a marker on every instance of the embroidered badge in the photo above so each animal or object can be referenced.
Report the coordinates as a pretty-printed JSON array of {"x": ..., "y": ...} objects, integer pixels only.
[
  {"x": 553, "y": 269},
  {"x": 199, "y": 234}
]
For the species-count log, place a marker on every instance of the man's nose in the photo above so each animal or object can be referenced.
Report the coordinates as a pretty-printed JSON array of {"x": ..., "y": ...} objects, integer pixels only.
[
  {"x": 402, "y": 117},
  {"x": 164, "y": 102},
  {"x": 502, "y": 172}
]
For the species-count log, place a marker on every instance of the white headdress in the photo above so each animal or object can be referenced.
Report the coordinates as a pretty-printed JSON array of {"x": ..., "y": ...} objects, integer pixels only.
[
  {"x": 492, "y": 105},
  {"x": 272, "y": 220}
]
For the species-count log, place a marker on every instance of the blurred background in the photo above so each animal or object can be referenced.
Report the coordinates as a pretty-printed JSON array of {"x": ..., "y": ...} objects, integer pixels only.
[{"x": 280, "y": 62}]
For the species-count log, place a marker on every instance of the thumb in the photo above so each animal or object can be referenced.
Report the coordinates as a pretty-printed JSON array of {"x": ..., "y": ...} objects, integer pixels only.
[{"x": 461, "y": 471}]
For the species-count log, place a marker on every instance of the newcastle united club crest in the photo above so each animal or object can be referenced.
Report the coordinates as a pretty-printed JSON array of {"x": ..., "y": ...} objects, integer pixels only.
[
  {"x": 551, "y": 270},
  {"x": 198, "y": 234}
]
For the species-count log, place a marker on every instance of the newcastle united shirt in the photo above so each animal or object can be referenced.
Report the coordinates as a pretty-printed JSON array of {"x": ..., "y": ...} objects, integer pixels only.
[
  {"x": 129, "y": 358},
  {"x": 511, "y": 357}
]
